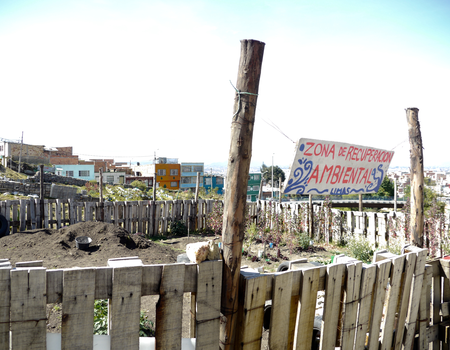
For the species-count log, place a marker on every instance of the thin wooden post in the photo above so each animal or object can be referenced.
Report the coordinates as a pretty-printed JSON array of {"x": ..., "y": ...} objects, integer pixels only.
[
  {"x": 360, "y": 202},
  {"x": 395, "y": 195},
  {"x": 197, "y": 187},
  {"x": 416, "y": 158},
  {"x": 311, "y": 217},
  {"x": 279, "y": 190},
  {"x": 236, "y": 188},
  {"x": 41, "y": 194},
  {"x": 101, "y": 209}
]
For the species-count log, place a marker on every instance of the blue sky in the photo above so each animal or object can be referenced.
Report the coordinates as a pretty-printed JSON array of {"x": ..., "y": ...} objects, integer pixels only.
[{"x": 124, "y": 80}]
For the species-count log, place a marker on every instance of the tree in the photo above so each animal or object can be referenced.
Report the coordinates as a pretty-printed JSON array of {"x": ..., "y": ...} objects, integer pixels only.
[
  {"x": 430, "y": 197},
  {"x": 266, "y": 173},
  {"x": 386, "y": 189}
]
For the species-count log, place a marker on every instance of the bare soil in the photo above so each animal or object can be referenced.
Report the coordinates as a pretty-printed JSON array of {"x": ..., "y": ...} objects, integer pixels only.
[{"x": 57, "y": 249}]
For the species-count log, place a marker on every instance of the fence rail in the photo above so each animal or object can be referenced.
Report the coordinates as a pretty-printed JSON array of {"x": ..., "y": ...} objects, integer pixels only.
[{"x": 383, "y": 305}]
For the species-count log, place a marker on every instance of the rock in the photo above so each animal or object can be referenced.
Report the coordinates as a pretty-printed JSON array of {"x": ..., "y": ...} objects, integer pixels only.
[{"x": 201, "y": 251}]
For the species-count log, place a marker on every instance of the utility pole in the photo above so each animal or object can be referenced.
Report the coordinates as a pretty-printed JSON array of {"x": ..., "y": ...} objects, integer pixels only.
[
  {"x": 20, "y": 154},
  {"x": 417, "y": 181},
  {"x": 240, "y": 154},
  {"x": 272, "y": 176}
]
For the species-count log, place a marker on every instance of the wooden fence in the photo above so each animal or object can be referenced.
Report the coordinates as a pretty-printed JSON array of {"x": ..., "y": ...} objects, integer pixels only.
[
  {"x": 149, "y": 217},
  {"x": 153, "y": 218},
  {"x": 394, "y": 303}
]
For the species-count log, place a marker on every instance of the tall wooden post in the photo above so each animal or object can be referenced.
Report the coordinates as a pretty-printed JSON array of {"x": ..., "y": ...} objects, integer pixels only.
[
  {"x": 311, "y": 217},
  {"x": 416, "y": 158},
  {"x": 360, "y": 204},
  {"x": 237, "y": 178}
]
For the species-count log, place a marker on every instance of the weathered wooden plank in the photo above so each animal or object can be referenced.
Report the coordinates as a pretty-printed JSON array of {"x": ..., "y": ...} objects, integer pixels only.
[
  {"x": 367, "y": 285},
  {"x": 23, "y": 220},
  {"x": 32, "y": 214},
  {"x": 124, "y": 308},
  {"x": 393, "y": 301},
  {"x": 353, "y": 288},
  {"x": 157, "y": 218},
  {"x": 306, "y": 309},
  {"x": 424, "y": 310},
  {"x": 28, "y": 309},
  {"x": 416, "y": 291},
  {"x": 54, "y": 286},
  {"x": 381, "y": 282},
  {"x": 295, "y": 297},
  {"x": 281, "y": 306},
  {"x": 332, "y": 305},
  {"x": 151, "y": 279},
  {"x": 46, "y": 213},
  {"x": 58, "y": 213},
  {"x": 209, "y": 288},
  {"x": 445, "y": 345},
  {"x": 15, "y": 216},
  {"x": 190, "y": 280},
  {"x": 103, "y": 283},
  {"x": 5, "y": 296},
  {"x": 77, "y": 306},
  {"x": 192, "y": 319},
  {"x": 410, "y": 264},
  {"x": 249, "y": 332},
  {"x": 436, "y": 300},
  {"x": 151, "y": 219},
  {"x": 169, "y": 308}
]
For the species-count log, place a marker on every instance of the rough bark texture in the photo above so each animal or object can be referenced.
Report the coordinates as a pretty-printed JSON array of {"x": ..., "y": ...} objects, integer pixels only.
[
  {"x": 236, "y": 187},
  {"x": 416, "y": 155}
]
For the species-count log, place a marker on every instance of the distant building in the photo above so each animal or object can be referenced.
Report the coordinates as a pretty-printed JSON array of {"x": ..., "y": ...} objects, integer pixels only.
[
  {"x": 217, "y": 181},
  {"x": 167, "y": 172},
  {"x": 77, "y": 171},
  {"x": 254, "y": 182},
  {"x": 148, "y": 180},
  {"x": 189, "y": 175},
  {"x": 112, "y": 177}
]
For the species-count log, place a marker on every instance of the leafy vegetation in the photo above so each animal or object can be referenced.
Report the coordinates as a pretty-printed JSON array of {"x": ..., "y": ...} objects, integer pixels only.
[
  {"x": 146, "y": 327},
  {"x": 267, "y": 173},
  {"x": 360, "y": 248}
]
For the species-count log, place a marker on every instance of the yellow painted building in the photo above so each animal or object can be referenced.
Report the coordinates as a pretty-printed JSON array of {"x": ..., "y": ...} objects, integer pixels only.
[{"x": 168, "y": 175}]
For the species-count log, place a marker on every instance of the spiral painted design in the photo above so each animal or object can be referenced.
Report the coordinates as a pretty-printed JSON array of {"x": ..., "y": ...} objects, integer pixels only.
[
  {"x": 301, "y": 177},
  {"x": 374, "y": 186}
]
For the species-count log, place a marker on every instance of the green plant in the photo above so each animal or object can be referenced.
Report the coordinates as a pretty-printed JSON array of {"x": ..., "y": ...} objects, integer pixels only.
[
  {"x": 146, "y": 327},
  {"x": 360, "y": 248},
  {"x": 101, "y": 317},
  {"x": 303, "y": 240},
  {"x": 177, "y": 227},
  {"x": 139, "y": 185}
]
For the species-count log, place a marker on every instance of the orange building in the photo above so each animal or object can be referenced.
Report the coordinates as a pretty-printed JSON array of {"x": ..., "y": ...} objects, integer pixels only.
[{"x": 168, "y": 173}]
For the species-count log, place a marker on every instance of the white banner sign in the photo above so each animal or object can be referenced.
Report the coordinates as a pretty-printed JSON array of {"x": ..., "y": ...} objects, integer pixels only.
[{"x": 335, "y": 168}]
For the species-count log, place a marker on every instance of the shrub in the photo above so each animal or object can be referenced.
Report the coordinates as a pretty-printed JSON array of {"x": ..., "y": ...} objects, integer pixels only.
[
  {"x": 139, "y": 184},
  {"x": 303, "y": 240},
  {"x": 361, "y": 248},
  {"x": 177, "y": 227},
  {"x": 214, "y": 221}
]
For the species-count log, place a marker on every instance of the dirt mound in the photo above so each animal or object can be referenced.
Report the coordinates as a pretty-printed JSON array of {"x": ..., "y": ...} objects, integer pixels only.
[{"x": 57, "y": 248}]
